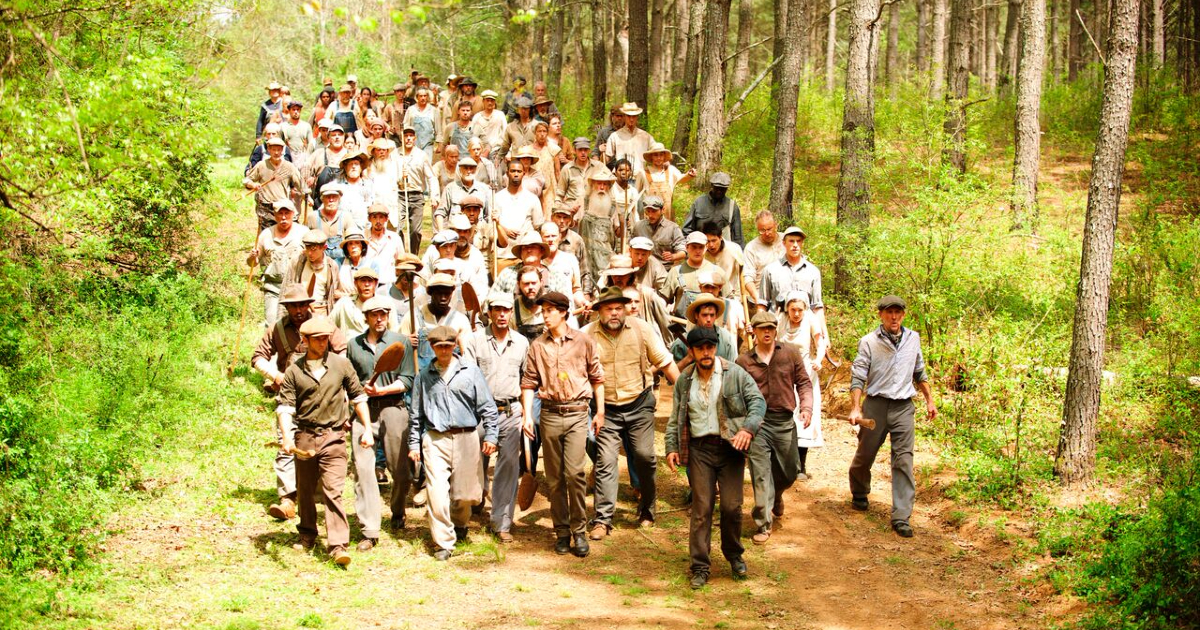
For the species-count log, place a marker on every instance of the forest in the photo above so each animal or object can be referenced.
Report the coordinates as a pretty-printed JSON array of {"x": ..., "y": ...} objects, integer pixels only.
[{"x": 1023, "y": 172}]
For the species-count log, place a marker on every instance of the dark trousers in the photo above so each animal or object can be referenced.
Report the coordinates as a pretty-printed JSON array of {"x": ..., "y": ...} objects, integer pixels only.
[
  {"x": 508, "y": 470},
  {"x": 714, "y": 464},
  {"x": 563, "y": 439},
  {"x": 326, "y": 470},
  {"x": 634, "y": 421},
  {"x": 412, "y": 207},
  {"x": 894, "y": 419},
  {"x": 394, "y": 424},
  {"x": 774, "y": 464}
]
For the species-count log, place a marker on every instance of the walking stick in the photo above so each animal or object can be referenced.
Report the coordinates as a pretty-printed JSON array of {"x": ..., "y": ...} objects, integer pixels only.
[
  {"x": 242, "y": 323},
  {"x": 412, "y": 316},
  {"x": 746, "y": 311}
]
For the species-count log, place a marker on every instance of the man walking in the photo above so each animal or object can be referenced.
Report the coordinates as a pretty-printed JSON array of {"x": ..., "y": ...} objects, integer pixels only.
[
  {"x": 629, "y": 353},
  {"x": 778, "y": 371},
  {"x": 450, "y": 400},
  {"x": 890, "y": 368},
  {"x": 717, "y": 207},
  {"x": 314, "y": 392},
  {"x": 500, "y": 354},
  {"x": 389, "y": 421},
  {"x": 716, "y": 410},
  {"x": 564, "y": 367}
]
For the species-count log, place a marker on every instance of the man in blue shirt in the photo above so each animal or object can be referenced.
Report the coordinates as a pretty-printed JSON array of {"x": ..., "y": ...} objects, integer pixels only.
[
  {"x": 450, "y": 398},
  {"x": 890, "y": 368}
]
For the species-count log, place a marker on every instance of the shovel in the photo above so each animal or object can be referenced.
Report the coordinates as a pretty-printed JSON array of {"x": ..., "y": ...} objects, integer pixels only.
[
  {"x": 527, "y": 488},
  {"x": 391, "y": 359},
  {"x": 471, "y": 301}
]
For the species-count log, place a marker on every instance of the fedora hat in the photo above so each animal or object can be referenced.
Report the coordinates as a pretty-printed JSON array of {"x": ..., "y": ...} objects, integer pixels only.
[
  {"x": 704, "y": 300},
  {"x": 631, "y": 109}
]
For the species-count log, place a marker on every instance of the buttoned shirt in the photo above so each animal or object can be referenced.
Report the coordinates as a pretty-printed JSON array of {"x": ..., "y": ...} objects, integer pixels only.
[
  {"x": 757, "y": 255},
  {"x": 383, "y": 250},
  {"x": 453, "y": 194},
  {"x": 516, "y": 135},
  {"x": 501, "y": 361},
  {"x": 724, "y": 213},
  {"x": 780, "y": 380},
  {"x": 652, "y": 275},
  {"x": 702, "y": 404},
  {"x": 520, "y": 212},
  {"x": 456, "y": 399},
  {"x": 320, "y": 402},
  {"x": 563, "y": 369},
  {"x": 283, "y": 342},
  {"x": 781, "y": 277},
  {"x": 888, "y": 370},
  {"x": 629, "y": 145},
  {"x": 489, "y": 129},
  {"x": 363, "y": 355},
  {"x": 667, "y": 236},
  {"x": 628, "y": 358},
  {"x": 572, "y": 182},
  {"x": 276, "y": 181},
  {"x": 572, "y": 243},
  {"x": 729, "y": 259},
  {"x": 416, "y": 173}
]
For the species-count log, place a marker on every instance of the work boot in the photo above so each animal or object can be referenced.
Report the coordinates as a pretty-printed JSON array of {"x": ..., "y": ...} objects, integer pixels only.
[
  {"x": 581, "y": 548},
  {"x": 306, "y": 543},
  {"x": 903, "y": 529},
  {"x": 699, "y": 579},
  {"x": 340, "y": 557},
  {"x": 505, "y": 537},
  {"x": 738, "y": 567},
  {"x": 860, "y": 503},
  {"x": 762, "y": 535},
  {"x": 367, "y": 544},
  {"x": 419, "y": 498},
  {"x": 381, "y": 475},
  {"x": 285, "y": 510},
  {"x": 562, "y": 546},
  {"x": 599, "y": 531},
  {"x": 777, "y": 509},
  {"x": 460, "y": 534},
  {"x": 442, "y": 555}
]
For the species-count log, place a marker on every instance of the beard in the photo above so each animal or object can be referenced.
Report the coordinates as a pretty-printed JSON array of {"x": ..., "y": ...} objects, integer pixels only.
[{"x": 600, "y": 203}]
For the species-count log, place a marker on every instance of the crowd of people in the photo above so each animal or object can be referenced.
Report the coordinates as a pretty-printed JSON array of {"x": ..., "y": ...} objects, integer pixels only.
[{"x": 556, "y": 293}]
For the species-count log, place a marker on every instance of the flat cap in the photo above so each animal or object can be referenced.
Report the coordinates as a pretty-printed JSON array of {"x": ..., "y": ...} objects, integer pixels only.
[
  {"x": 582, "y": 143},
  {"x": 408, "y": 262},
  {"x": 489, "y": 94},
  {"x": 377, "y": 208},
  {"x": 283, "y": 204},
  {"x": 641, "y": 242},
  {"x": 652, "y": 201},
  {"x": 459, "y": 221},
  {"x": 524, "y": 101},
  {"x": 336, "y": 127},
  {"x": 319, "y": 326},
  {"x": 377, "y": 303},
  {"x": 889, "y": 301},
  {"x": 721, "y": 178},
  {"x": 701, "y": 336},
  {"x": 276, "y": 142},
  {"x": 440, "y": 280},
  {"x": 795, "y": 230},
  {"x": 443, "y": 335},
  {"x": 324, "y": 123},
  {"x": 500, "y": 298},
  {"x": 331, "y": 188},
  {"x": 471, "y": 201},
  {"x": 467, "y": 161},
  {"x": 445, "y": 237},
  {"x": 555, "y": 299},
  {"x": 562, "y": 208},
  {"x": 314, "y": 237},
  {"x": 764, "y": 318},
  {"x": 366, "y": 272},
  {"x": 696, "y": 238}
]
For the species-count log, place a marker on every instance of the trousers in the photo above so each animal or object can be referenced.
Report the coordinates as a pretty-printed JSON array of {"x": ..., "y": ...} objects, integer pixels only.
[
  {"x": 714, "y": 464},
  {"x": 508, "y": 470},
  {"x": 893, "y": 418},
  {"x": 634, "y": 421},
  {"x": 453, "y": 468},
  {"x": 326, "y": 471},
  {"x": 564, "y": 437},
  {"x": 774, "y": 464},
  {"x": 285, "y": 470}
]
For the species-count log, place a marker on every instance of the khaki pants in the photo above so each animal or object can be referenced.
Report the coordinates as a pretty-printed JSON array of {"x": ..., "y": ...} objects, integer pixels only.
[
  {"x": 327, "y": 471},
  {"x": 564, "y": 451},
  {"x": 453, "y": 482}
]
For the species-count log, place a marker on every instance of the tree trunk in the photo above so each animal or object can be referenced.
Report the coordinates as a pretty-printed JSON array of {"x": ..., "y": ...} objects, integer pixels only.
[
  {"x": 1055, "y": 45},
  {"x": 683, "y": 14},
  {"x": 780, "y": 24},
  {"x": 858, "y": 146},
  {"x": 745, "y": 35},
  {"x": 937, "y": 57},
  {"x": 554, "y": 65},
  {"x": 1076, "y": 456},
  {"x": 782, "y": 177},
  {"x": 1027, "y": 130},
  {"x": 1074, "y": 42},
  {"x": 923, "y": 35},
  {"x": 637, "y": 80},
  {"x": 991, "y": 24},
  {"x": 687, "y": 101},
  {"x": 955, "y": 151},
  {"x": 831, "y": 45},
  {"x": 657, "y": 42},
  {"x": 539, "y": 43},
  {"x": 618, "y": 62},
  {"x": 891, "y": 67},
  {"x": 599, "y": 65},
  {"x": 1158, "y": 44},
  {"x": 710, "y": 113},
  {"x": 1011, "y": 56}
]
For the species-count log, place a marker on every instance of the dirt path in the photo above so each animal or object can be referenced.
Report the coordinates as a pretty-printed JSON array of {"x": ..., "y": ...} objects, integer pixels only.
[{"x": 203, "y": 554}]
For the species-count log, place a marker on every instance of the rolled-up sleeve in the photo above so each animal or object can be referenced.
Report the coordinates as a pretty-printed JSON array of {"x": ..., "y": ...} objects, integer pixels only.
[
  {"x": 485, "y": 409},
  {"x": 530, "y": 378},
  {"x": 417, "y": 419},
  {"x": 861, "y": 366},
  {"x": 919, "y": 375},
  {"x": 594, "y": 369},
  {"x": 287, "y": 394}
]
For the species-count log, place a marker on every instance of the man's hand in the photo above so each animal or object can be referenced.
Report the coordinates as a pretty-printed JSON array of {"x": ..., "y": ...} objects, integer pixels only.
[
  {"x": 367, "y": 440},
  {"x": 690, "y": 173},
  {"x": 598, "y": 422},
  {"x": 527, "y": 426},
  {"x": 488, "y": 448},
  {"x": 856, "y": 416},
  {"x": 414, "y": 339},
  {"x": 931, "y": 410},
  {"x": 741, "y": 441},
  {"x": 287, "y": 444},
  {"x": 806, "y": 416},
  {"x": 370, "y": 389},
  {"x": 277, "y": 378},
  {"x": 673, "y": 460},
  {"x": 415, "y": 456},
  {"x": 252, "y": 259}
]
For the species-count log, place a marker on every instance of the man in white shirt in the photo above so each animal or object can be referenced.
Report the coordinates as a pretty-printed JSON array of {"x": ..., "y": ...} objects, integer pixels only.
[
  {"x": 517, "y": 210},
  {"x": 629, "y": 142}
]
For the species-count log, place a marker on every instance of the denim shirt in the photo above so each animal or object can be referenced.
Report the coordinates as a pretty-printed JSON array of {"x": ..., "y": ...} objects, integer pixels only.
[{"x": 457, "y": 400}]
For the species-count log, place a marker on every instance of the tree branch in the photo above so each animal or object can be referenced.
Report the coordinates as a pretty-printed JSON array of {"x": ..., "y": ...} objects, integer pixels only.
[
  {"x": 37, "y": 35},
  {"x": 737, "y": 105},
  {"x": 879, "y": 14},
  {"x": 1090, "y": 38},
  {"x": 754, "y": 45}
]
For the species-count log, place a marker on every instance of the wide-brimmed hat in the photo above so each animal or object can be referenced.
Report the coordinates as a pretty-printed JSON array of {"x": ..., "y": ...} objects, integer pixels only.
[
  {"x": 353, "y": 155},
  {"x": 467, "y": 81},
  {"x": 655, "y": 148},
  {"x": 381, "y": 143},
  {"x": 630, "y": 109},
  {"x": 619, "y": 265},
  {"x": 702, "y": 301},
  {"x": 610, "y": 294},
  {"x": 526, "y": 152},
  {"x": 543, "y": 100},
  {"x": 530, "y": 239},
  {"x": 352, "y": 237},
  {"x": 603, "y": 175},
  {"x": 272, "y": 86},
  {"x": 296, "y": 295}
]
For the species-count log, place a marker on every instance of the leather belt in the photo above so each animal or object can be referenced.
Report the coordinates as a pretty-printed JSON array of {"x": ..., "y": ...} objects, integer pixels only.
[
  {"x": 319, "y": 431},
  {"x": 456, "y": 430},
  {"x": 565, "y": 407}
]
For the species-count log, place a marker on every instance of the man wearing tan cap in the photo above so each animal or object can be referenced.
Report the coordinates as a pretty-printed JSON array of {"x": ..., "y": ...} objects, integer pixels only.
[
  {"x": 274, "y": 250},
  {"x": 464, "y": 185},
  {"x": 573, "y": 178},
  {"x": 315, "y": 273},
  {"x": 519, "y": 132},
  {"x": 269, "y": 107},
  {"x": 650, "y": 271},
  {"x": 417, "y": 183},
  {"x": 426, "y": 123},
  {"x": 629, "y": 142},
  {"x": 313, "y": 415},
  {"x": 450, "y": 401},
  {"x": 663, "y": 232},
  {"x": 630, "y": 353},
  {"x": 440, "y": 289},
  {"x": 271, "y": 180},
  {"x": 348, "y": 314},
  {"x": 389, "y": 422},
  {"x": 281, "y": 345},
  {"x": 488, "y": 123},
  {"x": 682, "y": 285},
  {"x": 782, "y": 378},
  {"x": 298, "y": 135},
  {"x": 343, "y": 111},
  {"x": 563, "y": 366}
]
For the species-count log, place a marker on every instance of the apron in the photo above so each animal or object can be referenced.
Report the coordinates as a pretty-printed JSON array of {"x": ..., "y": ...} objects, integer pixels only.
[
  {"x": 598, "y": 238},
  {"x": 333, "y": 243},
  {"x": 424, "y": 129}
]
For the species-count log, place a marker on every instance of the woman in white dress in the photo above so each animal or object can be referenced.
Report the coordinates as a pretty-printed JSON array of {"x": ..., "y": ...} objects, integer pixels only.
[{"x": 802, "y": 328}]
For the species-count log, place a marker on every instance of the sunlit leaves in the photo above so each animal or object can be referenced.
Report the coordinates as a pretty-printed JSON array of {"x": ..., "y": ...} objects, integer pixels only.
[{"x": 524, "y": 16}]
